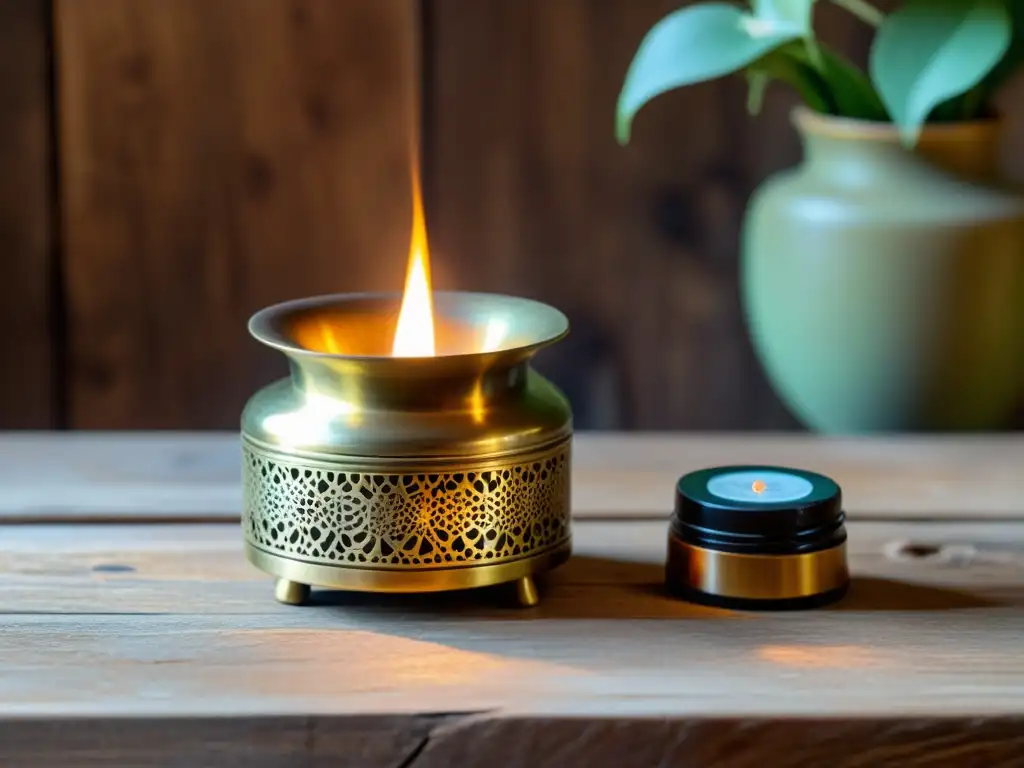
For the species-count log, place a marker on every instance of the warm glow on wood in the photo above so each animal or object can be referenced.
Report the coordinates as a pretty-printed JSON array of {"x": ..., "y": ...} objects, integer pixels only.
[{"x": 414, "y": 334}]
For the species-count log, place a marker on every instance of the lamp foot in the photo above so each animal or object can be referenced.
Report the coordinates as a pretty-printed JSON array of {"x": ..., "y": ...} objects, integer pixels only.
[
  {"x": 291, "y": 592},
  {"x": 526, "y": 592}
]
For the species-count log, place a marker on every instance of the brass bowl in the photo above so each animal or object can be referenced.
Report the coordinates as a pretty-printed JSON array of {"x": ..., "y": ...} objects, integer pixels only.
[{"x": 363, "y": 471}]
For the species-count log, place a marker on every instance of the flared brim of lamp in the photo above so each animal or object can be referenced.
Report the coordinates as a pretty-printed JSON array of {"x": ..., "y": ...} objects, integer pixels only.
[{"x": 361, "y": 326}]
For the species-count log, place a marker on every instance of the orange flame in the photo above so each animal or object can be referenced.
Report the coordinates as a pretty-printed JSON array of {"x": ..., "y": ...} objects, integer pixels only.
[
  {"x": 414, "y": 334},
  {"x": 758, "y": 486}
]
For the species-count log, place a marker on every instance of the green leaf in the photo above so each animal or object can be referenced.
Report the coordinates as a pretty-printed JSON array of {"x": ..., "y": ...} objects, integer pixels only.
[
  {"x": 1013, "y": 59},
  {"x": 795, "y": 13},
  {"x": 930, "y": 51},
  {"x": 850, "y": 91},
  {"x": 788, "y": 64},
  {"x": 692, "y": 45}
]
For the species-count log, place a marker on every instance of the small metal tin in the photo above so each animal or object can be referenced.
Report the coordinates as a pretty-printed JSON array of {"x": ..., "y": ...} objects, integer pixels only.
[{"x": 757, "y": 538}]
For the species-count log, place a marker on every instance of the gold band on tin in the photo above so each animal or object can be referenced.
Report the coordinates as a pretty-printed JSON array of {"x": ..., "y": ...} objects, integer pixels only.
[{"x": 756, "y": 577}]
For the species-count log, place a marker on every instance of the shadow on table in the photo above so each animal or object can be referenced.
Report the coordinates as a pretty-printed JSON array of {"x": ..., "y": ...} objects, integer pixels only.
[
  {"x": 868, "y": 593},
  {"x": 603, "y": 588},
  {"x": 583, "y": 588}
]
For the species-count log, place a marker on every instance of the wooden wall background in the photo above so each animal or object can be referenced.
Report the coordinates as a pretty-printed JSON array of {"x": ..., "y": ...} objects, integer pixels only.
[{"x": 171, "y": 166}]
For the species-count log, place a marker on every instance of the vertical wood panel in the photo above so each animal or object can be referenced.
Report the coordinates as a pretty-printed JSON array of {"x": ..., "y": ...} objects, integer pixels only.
[
  {"x": 639, "y": 245},
  {"x": 28, "y": 336},
  {"x": 218, "y": 156}
]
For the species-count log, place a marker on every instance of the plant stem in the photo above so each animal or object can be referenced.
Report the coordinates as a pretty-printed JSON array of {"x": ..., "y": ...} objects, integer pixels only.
[
  {"x": 814, "y": 54},
  {"x": 863, "y": 10}
]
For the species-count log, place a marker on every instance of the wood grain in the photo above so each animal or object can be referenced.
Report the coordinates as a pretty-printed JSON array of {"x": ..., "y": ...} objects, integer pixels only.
[
  {"x": 180, "y": 657},
  {"x": 219, "y": 156},
  {"x": 196, "y": 476},
  {"x": 148, "y": 643},
  {"x": 638, "y": 245},
  {"x": 30, "y": 342},
  {"x": 193, "y": 569},
  {"x": 700, "y": 743},
  {"x": 303, "y": 742},
  {"x": 468, "y": 740},
  {"x": 170, "y": 621}
]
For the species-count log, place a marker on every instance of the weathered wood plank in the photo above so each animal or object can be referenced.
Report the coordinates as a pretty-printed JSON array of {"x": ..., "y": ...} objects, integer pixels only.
[
  {"x": 29, "y": 342},
  {"x": 90, "y": 476},
  {"x": 186, "y": 569},
  {"x": 303, "y": 742},
  {"x": 704, "y": 743},
  {"x": 172, "y": 569},
  {"x": 480, "y": 740},
  {"x": 638, "y": 245},
  {"x": 219, "y": 156},
  {"x": 95, "y": 476},
  {"x": 170, "y": 621}
]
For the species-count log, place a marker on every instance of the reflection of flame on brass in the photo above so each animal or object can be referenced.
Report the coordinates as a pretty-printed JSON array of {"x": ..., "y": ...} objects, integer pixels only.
[
  {"x": 477, "y": 407},
  {"x": 312, "y": 420},
  {"x": 329, "y": 339},
  {"x": 414, "y": 334},
  {"x": 494, "y": 334}
]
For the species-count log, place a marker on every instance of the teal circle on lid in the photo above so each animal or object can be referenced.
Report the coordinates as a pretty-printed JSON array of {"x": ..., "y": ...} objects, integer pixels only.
[{"x": 775, "y": 487}]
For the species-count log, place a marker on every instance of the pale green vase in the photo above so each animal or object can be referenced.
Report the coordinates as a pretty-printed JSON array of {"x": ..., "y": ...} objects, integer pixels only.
[{"x": 884, "y": 288}]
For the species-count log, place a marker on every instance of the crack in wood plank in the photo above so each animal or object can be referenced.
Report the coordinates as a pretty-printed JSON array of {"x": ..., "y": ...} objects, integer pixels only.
[
  {"x": 315, "y": 740},
  {"x": 485, "y": 738},
  {"x": 737, "y": 743}
]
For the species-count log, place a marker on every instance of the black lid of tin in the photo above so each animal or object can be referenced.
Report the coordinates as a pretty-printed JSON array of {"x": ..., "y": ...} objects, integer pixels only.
[{"x": 794, "y": 511}]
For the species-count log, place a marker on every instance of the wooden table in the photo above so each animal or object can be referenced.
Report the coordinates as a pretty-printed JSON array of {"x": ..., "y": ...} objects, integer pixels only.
[{"x": 132, "y": 629}]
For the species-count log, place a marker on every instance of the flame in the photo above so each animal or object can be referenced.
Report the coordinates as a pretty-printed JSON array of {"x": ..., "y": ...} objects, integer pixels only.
[
  {"x": 758, "y": 487},
  {"x": 414, "y": 334}
]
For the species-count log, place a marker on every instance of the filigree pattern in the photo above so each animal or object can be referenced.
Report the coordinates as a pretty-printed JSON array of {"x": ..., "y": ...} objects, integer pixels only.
[{"x": 339, "y": 518}]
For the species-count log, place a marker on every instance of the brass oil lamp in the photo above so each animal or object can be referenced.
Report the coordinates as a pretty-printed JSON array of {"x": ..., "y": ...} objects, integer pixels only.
[{"x": 413, "y": 448}]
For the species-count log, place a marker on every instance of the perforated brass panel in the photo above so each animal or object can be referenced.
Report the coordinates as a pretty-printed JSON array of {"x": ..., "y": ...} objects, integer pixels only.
[{"x": 406, "y": 517}]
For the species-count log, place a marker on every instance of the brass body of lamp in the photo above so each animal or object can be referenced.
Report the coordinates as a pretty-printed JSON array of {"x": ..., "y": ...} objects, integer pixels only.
[{"x": 367, "y": 471}]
